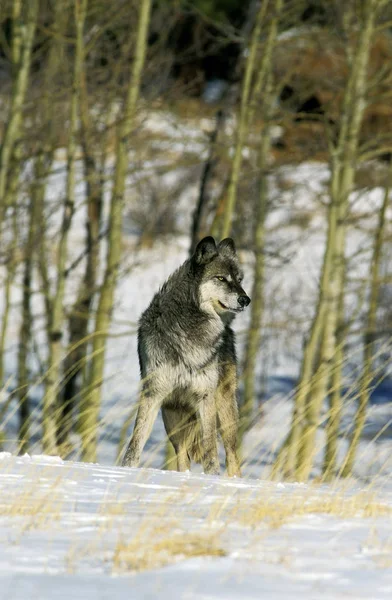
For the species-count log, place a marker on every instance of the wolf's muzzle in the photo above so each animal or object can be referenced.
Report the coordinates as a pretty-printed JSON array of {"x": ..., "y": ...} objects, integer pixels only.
[{"x": 243, "y": 301}]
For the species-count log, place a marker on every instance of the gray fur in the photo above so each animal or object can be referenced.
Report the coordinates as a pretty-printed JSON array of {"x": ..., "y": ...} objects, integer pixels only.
[{"x": 187, "y": 359}]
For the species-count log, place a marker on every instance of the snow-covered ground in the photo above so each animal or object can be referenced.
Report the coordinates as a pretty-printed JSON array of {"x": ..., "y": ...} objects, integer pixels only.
[{"x": 71, "y": 530}]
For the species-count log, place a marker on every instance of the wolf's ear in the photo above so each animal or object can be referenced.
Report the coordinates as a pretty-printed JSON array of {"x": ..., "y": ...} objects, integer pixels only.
[
  {"x": 227, "y": 247},
  {"x": 205, "y": 251}
]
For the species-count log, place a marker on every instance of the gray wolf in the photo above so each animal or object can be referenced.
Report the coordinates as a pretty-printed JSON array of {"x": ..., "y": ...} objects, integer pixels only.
[{"x": 187, "y": 359}]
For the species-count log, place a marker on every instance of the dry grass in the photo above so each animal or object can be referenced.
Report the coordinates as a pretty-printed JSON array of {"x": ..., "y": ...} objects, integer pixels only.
[
  {"x": 37, "y": 509},
  {"x": 277, "y": 512},
  {"x": 141, "y": 555}
]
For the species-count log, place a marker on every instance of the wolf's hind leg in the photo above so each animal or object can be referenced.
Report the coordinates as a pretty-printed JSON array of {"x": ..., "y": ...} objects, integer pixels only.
[
  {"x": 227, "y": 409},
  {"x": 176, "y": 424},
  {"x": 149, "y": 405},
  {"x": 207, "y": 416}
]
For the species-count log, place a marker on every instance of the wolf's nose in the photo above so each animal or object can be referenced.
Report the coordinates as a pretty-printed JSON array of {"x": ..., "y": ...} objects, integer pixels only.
[{"x": 243, "y": 301}]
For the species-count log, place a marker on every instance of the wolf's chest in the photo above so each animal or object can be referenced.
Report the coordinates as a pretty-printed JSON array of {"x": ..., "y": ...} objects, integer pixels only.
[{"x": 195, "y": 381}]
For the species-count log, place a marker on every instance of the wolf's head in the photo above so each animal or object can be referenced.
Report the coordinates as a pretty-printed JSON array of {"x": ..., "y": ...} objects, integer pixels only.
[{"x": 220, "y": 287}]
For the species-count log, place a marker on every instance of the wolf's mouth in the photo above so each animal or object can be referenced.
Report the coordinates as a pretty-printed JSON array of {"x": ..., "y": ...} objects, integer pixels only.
[
  {"x": 223, "y": 305},
  {"x": 230, "y": 308}
]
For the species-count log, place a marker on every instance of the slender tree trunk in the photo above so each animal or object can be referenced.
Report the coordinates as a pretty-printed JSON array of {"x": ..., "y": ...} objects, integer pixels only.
[
  {"x": 11, "y": 270},
  {"x": 335, "y": 397},
  {"x": 367, "y": 370},
  {"x": 78, "y": 322},
  {"x": 316, "y": 396},
  {"x": 199, "y": 213},
  {"x": 5, "y": 167},
  {"x": 5, "y": 317},
  {"x": 50, "y": 404},
  {"x": 90, "y": 416},
  {"x": 17, "y": 34},
  {"x": 25, "y": 328},
  {"x": 22, "y": 51},
  {"x": 257, "y": 305},
  {"x": 264, "y": 81},
  {"x": 11, "y": 267},
  {"x": 43, "y": 164},
  {"x": 287, "y": 456},
  {"x": 243, "y": 124}
]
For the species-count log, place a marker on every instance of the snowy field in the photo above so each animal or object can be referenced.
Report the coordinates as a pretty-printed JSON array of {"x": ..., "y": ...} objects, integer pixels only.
[{"x": 71, "y": 530}]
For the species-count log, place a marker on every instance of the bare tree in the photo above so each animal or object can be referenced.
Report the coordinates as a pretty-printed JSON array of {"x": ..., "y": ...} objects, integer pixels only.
[
  {"x": 24, "y": 31},
  {"x": 91, "y": 405},
  {"x": 297, "y": 453},
  {"x": 369, "y": 338},
  {"x": 54, "y": 369},
  {"x": 265, "y": 82},
  {"x": 243, "y": 123}
]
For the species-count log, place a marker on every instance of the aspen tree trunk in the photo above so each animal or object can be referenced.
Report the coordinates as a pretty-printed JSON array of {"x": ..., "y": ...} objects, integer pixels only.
[
  {"x": 264, "y": 82},
  {"x": 317, "y": 392},
  {"x": 367, "y": 370},
  {"x": 318, "y": 385},
  {"x": 5, "y": 316},
  {"x": 75, "y": 361},
  {"x": 43, "y": 164},
  {"x": 25, "y": 328},
  {"x": 243, "y": 124},
  {"x": 335, "y": 398},
  {"x": 5, "y": 168},
  {"x": 199, "y": 213},
  {"x": 50, "y": 404},
  {"x": 287, "y": 456},
  {"x": 12, "y": 264},
  {"x": 17, "y": 33},
  {"x": 22, "y": 52},
  {"x": 257, "y": 305},
  {"x": 90, "y": 416},
  {"x": 11, "y": 270},
  {"x": 297, "y": 452}
]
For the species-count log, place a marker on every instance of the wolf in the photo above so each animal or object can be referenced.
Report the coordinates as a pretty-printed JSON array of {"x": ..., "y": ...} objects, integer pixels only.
[{"x": 187, "y": 359}]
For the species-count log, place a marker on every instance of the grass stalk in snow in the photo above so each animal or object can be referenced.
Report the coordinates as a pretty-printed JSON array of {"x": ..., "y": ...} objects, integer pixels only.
[{"x": 144, "y": 555}]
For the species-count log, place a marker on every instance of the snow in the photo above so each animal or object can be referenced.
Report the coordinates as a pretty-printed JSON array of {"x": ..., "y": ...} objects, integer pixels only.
[{"x": 63, "y": 527}]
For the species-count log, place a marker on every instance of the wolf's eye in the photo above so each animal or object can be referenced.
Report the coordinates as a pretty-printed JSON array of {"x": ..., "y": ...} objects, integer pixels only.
[{"x": 221, "y": 278}]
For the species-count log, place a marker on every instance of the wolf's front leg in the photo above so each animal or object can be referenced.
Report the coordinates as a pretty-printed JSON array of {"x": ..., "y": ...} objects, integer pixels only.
[
  {"x": 226, "y": 404},
  {"x": 208, "y": 424},
  {"x": 146, "y": 415}
]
